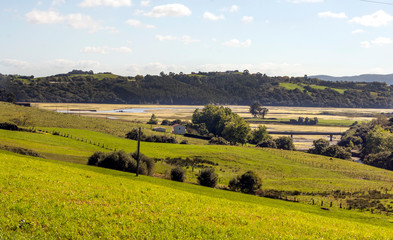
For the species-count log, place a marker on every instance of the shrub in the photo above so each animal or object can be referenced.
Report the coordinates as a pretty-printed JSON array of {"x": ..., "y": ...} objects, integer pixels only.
[
  {"x": 8, "y": 126},
  {"x": 153, "y": 119},
  {"x": 336, "y": 152},
  {"x": 185, "y": 141},
  {"x": 285, "y": 143},
  {"x": 178, "y": 174},
  {"x": 119, "y": 160},
  {"x": 249, "y": 182},
  {"x": 19, "y": 150},
  {"x": 267, "y": 143},
  {"x": 320, "y": 146},
  {"x": 95, "y": 158},
  {"x": 218, "y": 141},
  {"x": 207, "y": 177}
]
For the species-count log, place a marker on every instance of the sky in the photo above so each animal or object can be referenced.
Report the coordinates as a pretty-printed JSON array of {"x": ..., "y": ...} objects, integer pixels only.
[{"x": 130, "y": 37}]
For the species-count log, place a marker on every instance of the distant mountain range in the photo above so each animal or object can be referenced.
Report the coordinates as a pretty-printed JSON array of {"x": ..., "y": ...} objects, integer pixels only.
[{"x": 388, "y": 78}]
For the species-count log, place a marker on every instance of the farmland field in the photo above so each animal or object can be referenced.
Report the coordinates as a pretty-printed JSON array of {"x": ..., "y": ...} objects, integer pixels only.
[
  {"x": 330, "y": 119},
  {"x": 59, "y": 196}
]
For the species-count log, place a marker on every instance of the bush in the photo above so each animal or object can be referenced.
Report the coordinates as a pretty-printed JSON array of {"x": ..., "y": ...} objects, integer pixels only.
[
  {"x": 178, "y": 174},
  {"x": 218, "y": 141},
  {"x": 249, "y": 182},
  {"x": 185, "y": 141},
  {"x": 19, "y": 150},
  {"x": 207, "y": 177},
  {"x": 320, "y": 146},
  {"x": 285, "y": 143},
  {"x": 267, "y": 143},
  {"x": 336, "y": 152},
  {"x": 8, "y": 126},
  {"x": 95, "y": 158},
  {"x": 119, "y": 160}
]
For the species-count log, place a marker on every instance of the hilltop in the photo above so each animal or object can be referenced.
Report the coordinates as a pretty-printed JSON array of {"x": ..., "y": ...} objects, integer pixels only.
[{"x": 235, "y": 88}]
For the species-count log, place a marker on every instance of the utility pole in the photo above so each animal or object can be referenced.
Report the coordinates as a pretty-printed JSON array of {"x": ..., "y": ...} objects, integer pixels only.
[{"x": 137, "y": 151}]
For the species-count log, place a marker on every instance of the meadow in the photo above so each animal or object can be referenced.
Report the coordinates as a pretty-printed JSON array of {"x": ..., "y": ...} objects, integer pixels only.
[{"x": 46, "y": 199}]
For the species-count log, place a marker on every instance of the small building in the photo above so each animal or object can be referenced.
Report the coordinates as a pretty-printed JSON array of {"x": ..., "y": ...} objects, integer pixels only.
[
  {"x": 159, "y": 129},
  {"x": 178, "y": 129}
]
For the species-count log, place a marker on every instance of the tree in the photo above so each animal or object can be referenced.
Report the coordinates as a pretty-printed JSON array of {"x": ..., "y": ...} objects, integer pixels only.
[
  {"x": 236, "y": 131},
  {"x": 320, "y": 146},
  {"x": 249, "y": 182},
  {"x": 178, "y": 174},
  {"x": 285, "y": 143},
  {"x": 255, "y": 109},
  {"x": 153, "y": 119},
  {"x": 258, "y": 135},
  {"x": 207, "y": 177}
]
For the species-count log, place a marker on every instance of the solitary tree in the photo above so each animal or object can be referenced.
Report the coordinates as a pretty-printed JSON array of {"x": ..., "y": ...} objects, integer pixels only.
[
  {"x": 153, "y": 119},
  {"x": 256, "y": 110}
]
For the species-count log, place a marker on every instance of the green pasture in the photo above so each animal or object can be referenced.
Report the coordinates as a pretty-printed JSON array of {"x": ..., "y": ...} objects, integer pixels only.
[
  {"x": 280, "y": 170},
  {"x": 45, "y": 199},
  {"x": 292, "y": 86},
  {"x": 321, "y": 122}
]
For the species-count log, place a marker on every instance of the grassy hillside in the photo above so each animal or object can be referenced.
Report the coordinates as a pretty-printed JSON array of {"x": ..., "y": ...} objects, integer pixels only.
[{"x": 46, "y": 199}]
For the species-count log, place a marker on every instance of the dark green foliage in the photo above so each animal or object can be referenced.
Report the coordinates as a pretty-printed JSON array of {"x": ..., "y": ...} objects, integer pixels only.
[
  {"x": 207, "y": 87},
  {"x": 259, "y": 135},
  {"x": 178, "y": 174},
  {"x": 119, "y": 160},
  {"x": 20, "y": 150},
  {"x": 381, "y": 160},
  {"x": 207, "y": 177},
  {"x": 257, "y": 110},
  {"x": 218, "y": 141},
  {"x": 222, "y": 122},
  {"x": 95, "y": 158},
  {"x": 249, "y": 182},
  {"x": 267, "y": 143},
  {"x": 304, "y": 121},
  {"x": 285, "y": 143},
  {"x": 190, "y": 162},
  {"x": 153, "y": 119},
  {"x": 7, "y": 96},
  {"x": 133, "y": 135},
  {"x": 320, "y": 146},
  {"x": 185, "y": 141},
  {"x": 9, "y": 126},
  {"x": 337, "y": 152}
]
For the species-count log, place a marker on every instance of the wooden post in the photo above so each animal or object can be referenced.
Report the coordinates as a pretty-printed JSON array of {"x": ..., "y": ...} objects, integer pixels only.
[{"x": 137, "y": 151}]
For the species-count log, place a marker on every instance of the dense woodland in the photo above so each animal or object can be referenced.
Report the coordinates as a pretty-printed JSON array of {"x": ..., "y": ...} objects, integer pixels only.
[{"x": 233, "y": 87}]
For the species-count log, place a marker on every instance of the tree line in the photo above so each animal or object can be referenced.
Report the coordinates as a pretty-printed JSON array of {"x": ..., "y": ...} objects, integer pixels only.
[{"x": 196, "y": 89}]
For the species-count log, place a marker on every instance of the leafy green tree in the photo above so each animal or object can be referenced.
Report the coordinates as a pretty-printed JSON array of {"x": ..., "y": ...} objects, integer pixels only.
[
  {"x": 236, "y": 131},
  {"x": 256, "y": 110},
  {"x": 285, "y": 143},
  {"x": 207, "y": 177},
  {"x": 258, "y": 135},
  {"x": 320, "y": 146},
  {"x": 153, "y": 119},
  {"x": 249, "y": 182},
  {"x": 378, "y": 140}
]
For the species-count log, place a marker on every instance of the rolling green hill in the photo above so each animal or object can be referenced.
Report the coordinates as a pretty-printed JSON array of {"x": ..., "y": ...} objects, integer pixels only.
[
  {"x": 45, "y": 199},
  {"x": 59, "y": 196}
]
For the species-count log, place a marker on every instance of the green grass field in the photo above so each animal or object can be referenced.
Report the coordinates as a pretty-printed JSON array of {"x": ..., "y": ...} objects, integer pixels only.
[
  {"x": 46, "y": 199},
  {"x": 292, "y": 86}
]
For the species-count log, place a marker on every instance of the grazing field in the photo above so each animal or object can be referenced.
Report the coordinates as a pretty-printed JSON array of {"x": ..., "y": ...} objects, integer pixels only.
[{"x": 44, "y": 199}]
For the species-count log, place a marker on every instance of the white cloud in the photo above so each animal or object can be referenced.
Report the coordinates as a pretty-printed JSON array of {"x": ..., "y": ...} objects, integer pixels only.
[
  {"x": 75, "y": 20},
  {"x": 329, "y": 14},
  {"x": 212, "y": 17},
  {"x": 357, "y": 31},
  {"x": 247, "y": 19},
  {"x": 237, "y": 43},
  {"x": 377, "y": 19},
  {"x": 234, "y": 8},
  {"x": 184, "y": 39},
  {"x": 58, "y": 2},
  {"x": 80, "y": 21},
  {"x": 145, "y": 3},
  {"x": 106, "y": 50},
  {"x": 378, "y": 42},
  {"x": 306, "y": 1},
  {"x": 169, "y": 10},
  {"x": 44, "y": 17},
  {"x": 137, "y": 23},
  {"x": 110, "y": 3},
  {"x": 153, "y": 68},
  {"x": 14, "y": 63},
  {"x": 269, "y": 68},
  {"x": 365, "y": 44},
  {"x": 67, "y": 65}
]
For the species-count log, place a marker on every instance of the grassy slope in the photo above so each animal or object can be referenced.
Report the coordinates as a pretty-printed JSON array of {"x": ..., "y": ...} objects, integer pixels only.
[
  {"x": 281, "y": 170},
  {"x": 292, "y": 86},
  {"x": 44, "y": 199}
]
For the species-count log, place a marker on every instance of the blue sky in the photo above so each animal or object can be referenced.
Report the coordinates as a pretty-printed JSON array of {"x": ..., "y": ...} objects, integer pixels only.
[{"x": 129, "y": 37}]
